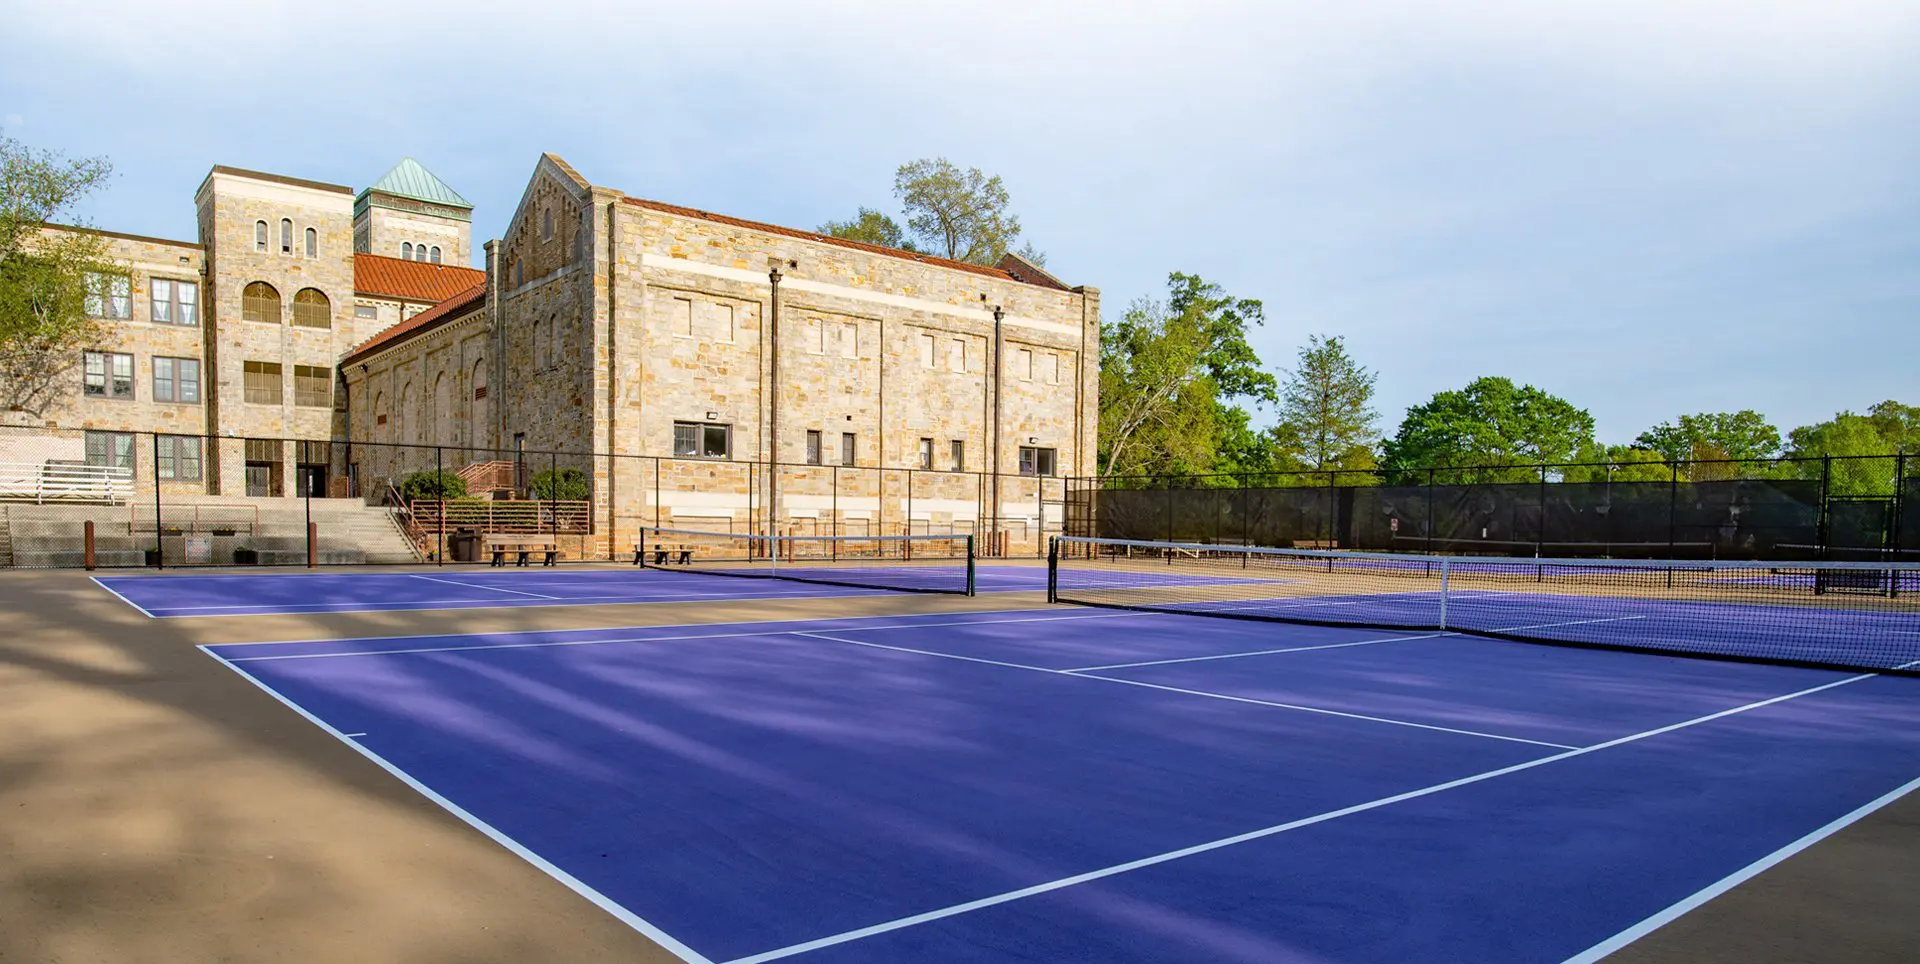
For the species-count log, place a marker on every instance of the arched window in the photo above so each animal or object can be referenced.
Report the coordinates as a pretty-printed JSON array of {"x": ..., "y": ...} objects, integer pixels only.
[
  {"x": 477, "y": 431},
  {"x": 419, "y": 252},
  {"x": 311, "y": 309},
  {"x": 519, "y": 276},
  {"x": 406, "y": 250},
  {"x": 286, "y": 236},
  {"x": 443, "y": 410},
  {"x": 260, "y": 302},
  {"x": 433, "y": 254},
  {"x": 379, "y": 414},
  {"x": 400, "y": 417},
  {"x": 313, "y": 243},
  {"x": 259, "y": 235},
  {"x": 546, "y": 225}
]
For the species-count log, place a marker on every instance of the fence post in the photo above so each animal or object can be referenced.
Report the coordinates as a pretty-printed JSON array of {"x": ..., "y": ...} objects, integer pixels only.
[
  {"x": 1431, "y": 521},
  {"x": 313, "y": 555},
  {"x": 87, "y": 530},
  {"x": 1826, "y": 513},
  {"x": 553, "y": 506},
  {"x": 834, "y": 544},
  {"x": 159, "y": 528},
  {"x": 656, "y": 492},
  {"x": 440, "y": 488},
  {"x": 1673, "y": 505},
  {"x": 1540, "y": 523}
]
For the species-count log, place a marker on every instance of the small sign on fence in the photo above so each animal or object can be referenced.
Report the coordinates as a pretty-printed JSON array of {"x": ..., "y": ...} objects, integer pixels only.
[{"x": 199, "y": 550}]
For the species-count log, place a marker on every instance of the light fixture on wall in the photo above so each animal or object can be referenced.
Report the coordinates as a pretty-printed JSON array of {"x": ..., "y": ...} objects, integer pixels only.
[
  {"x": 713, "y": 416},
  {"x": 1033, "y": 440}
]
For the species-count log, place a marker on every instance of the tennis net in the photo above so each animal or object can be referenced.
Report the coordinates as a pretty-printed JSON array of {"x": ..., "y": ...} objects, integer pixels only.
[
  {"x": 1840, "y": 615},
  {"x": 903, "y": 563}
]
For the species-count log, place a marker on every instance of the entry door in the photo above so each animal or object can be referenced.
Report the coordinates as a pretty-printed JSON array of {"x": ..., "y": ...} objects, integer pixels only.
[
  {"x": 259, "y": 479},
  {"x": 311, "y": 480}
]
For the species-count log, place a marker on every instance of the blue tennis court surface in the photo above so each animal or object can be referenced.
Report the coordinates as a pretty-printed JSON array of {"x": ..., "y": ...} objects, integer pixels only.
[
  {"x": 300, "y": 592},
  {"x": 1089, "y": 786}
]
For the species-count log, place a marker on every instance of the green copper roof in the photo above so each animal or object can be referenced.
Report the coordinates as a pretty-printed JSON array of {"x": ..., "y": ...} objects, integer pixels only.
[{"x": 409, "y": 179}]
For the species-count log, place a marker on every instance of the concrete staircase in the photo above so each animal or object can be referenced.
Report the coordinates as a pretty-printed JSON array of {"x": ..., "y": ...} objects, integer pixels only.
[{"x": 349, "y": 531}]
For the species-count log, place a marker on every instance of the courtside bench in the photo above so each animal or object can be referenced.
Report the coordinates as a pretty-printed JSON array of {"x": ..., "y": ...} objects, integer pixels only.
[
  {"x": 681, "y": 554},
  {"x": 523, "y": 548}
]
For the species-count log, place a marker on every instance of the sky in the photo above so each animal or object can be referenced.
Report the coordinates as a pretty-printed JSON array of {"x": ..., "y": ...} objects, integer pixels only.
[{"x": 1648, "y": 207}]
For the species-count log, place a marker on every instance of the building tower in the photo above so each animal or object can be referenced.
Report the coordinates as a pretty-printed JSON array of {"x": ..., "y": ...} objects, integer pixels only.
[{"x": 409, "y": 213}]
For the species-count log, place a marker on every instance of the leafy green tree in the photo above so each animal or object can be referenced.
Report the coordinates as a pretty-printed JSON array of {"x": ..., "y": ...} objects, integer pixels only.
[
  {"x": 1898, "y": 424},
  {"x": 45, "y": 273},
  {"x": 1224, "y": 321},
  {"x": 1326, "y": 403},
  {"x": 1862, "y": 457},
  {"x": 1710, "y": 436},
  {"x": 1157, "y": 407},
  {"x": 1489, "y": 431},
  {"x": 962, "y": 215},
  {"x": 871, "y": 227},
  {"x": 1618, "y": 463}
]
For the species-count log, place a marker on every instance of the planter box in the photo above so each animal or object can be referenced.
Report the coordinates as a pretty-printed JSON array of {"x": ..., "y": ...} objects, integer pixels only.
[{"x": 246, "y": 557}]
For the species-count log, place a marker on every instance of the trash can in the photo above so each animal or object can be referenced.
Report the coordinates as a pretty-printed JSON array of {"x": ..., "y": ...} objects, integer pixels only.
[{"x": 464, "y": 544}]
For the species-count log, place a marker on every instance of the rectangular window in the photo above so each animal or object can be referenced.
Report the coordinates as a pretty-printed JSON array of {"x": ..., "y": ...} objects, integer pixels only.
[
  {"x": 109, "y": 295},
  {"x": 366, "y": 311},
  {"x": 926, "y": 352},
  {"x": 957, "y": 356},
  {"x": 313, "y": 453},
  {"x": 263, "y": 385},
  {"x": 959, "y": 456},
  {"x": 176, "y": 379},
  {"x": 261, "y": 450},
  {"x": 108, "y": 375},
  {"x": 702, "y": 440},
  {"x": 813, "y": 447},
  {"x": 1036, "y": 461},
  {"x": 178, "y": 457},
  {"x": 680, "y": 322},
  {"x": 1023, "y": 365},
  {"x": 926, "y": 453},
  {"x": 312, "y": 386},
  {"x": 110, "y": 448},
  {"x": 847, "y": 446}
]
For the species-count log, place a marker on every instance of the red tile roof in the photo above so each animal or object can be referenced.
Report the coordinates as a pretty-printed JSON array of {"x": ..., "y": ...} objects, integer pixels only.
[
  {"x": 381, "y": 276},
  {"x": 823, "y": 238},
  {"x": 452, "y": 309}
]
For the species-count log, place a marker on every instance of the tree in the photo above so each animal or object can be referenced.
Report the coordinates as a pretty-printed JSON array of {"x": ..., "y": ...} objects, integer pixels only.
[
  {"x": 1156, "y": 399},
  {"x": 1898, "y": 424},
  {"x": 871, "y": 227},
  {"x": 962, "y": 214},
  {"x": 1489, "y": 432},
  {"x": 1861, "y": 455},
  {"x": 1223, "y": 321},
  {"x": 1325, "y": 404},
  {"x": 46, "y": 274},
  {"x": 1618, "y": 463},
  {"x": 1744, "y": 435}
]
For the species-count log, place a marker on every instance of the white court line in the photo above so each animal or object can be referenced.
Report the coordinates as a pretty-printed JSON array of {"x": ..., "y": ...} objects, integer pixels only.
[
  {"x": 427, "y": 605},
  {"x": 1257, "y": 652},
  {"x": 468, "y": 585},
  {"x": 353, "y": 734},
  {"x": 578, "y": 886},
  {"x": 1175, "y": 689},
  {"x": 638, "y": 639},
  {"x": 1570, "y": 622},
  {"x": 1735, "y": 879},
  {"x": 1104, "y": 872},
  {"x": 142, "y": 610}
]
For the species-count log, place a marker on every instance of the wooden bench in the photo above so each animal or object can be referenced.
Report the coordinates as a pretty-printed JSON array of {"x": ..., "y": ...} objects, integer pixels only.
[
  {"x": 683, "y": 554},
  {"x": 523, "y": 547},
  {"x": 1315, "y": 544}
]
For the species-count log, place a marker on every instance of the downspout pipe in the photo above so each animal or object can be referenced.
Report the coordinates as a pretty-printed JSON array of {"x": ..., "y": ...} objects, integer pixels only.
[
  {"x": 773, "y": 405},
  {"x": 999, "y": 369}
]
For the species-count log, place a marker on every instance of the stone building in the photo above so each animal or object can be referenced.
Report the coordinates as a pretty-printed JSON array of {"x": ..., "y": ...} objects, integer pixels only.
[
  {"x": 898, "y": 391},
  {"x": 336, "y": 342}
]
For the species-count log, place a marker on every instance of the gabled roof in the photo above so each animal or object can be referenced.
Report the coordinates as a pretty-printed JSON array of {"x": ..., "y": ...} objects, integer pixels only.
[
  {"x": 409, "y": 179},
  {"x": 381, "y": 276},
  {"x": 967, "y": 266},
  {"x": 452, "y": 309}
]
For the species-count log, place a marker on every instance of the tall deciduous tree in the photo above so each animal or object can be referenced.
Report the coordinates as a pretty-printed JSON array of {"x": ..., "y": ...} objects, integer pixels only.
[
  {"x": 1326, "y": 405},
  {"x": 1618, "y": 463},
  {"x": 1156, "y": 398},
  {"x": 1745, "y": 434},
  {"x": 872, "y": 227},
  {"x": 1859, "y": 446},
  {"x": 44, "y": 274},
  {"x": 962, "y": 215},
  {"x": 1489, "y": 431}
]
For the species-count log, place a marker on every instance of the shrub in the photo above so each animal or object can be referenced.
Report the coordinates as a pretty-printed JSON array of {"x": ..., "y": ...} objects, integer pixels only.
[
  {"x": 561, "y": 485},
  {"x": 433, "y": 485}
]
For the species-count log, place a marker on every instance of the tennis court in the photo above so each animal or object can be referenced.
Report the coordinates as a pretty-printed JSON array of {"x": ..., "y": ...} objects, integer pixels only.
[{"x": 1099, "y": 784}]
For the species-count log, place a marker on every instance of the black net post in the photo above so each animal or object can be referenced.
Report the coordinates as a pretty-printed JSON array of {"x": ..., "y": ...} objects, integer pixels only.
[
  {"x": 970, "y": 566},
  {"x": 159, "y": 530},
  {"x": 1053, "y": 570},
  {"x": 440, "y": 527}
]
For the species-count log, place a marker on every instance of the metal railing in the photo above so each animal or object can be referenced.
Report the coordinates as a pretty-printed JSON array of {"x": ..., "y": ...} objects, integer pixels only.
[{"x": 55, "y": 481}]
